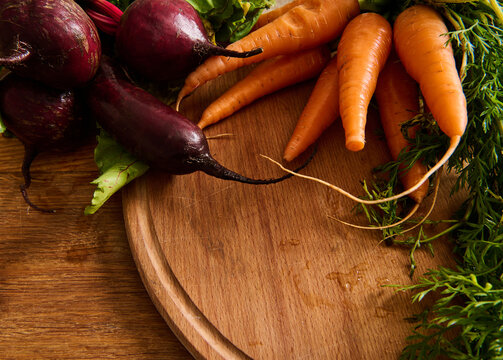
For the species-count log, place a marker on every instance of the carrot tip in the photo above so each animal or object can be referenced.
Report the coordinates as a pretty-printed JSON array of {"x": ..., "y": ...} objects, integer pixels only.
[
  {"x": 407, "y": 217},
  {"x": 354, "y": 143}
]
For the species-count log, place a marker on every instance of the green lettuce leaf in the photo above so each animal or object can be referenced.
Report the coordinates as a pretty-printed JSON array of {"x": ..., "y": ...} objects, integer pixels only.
[
  {"x": 117, "y": 168},
  {"x": 230, "y": 20}
]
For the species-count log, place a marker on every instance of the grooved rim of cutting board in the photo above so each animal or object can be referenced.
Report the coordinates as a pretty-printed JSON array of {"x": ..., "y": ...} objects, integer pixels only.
[{"x": 169, "y": 298}]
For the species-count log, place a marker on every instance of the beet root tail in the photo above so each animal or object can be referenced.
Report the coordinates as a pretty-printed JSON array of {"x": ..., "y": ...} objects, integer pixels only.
[
  {"x": 29, "y": 156},
  {"x": 220, "y": 51},
  {"x": 215, "y": 169}
]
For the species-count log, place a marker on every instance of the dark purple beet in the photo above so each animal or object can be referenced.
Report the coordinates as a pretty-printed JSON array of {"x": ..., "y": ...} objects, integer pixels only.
[
  {"x": 165, "y": 40},
  {"x": 52, "y": 41},
  {"x": 41, "y": 118},
  {"x": 150, "y": 129}
]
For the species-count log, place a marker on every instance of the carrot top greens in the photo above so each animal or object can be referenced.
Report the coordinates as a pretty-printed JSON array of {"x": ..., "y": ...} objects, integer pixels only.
[{"x": 466, "y": 321}]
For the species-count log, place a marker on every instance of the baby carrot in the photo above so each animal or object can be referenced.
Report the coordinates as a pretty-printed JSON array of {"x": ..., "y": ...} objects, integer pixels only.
[
  {"x": 309, "y": 24},
  {"x": 321, "y": 110},
  {"x": 361, "y": 54},
  {"x": 397, "y": 97},
  {"x": 271, "y": 75}
]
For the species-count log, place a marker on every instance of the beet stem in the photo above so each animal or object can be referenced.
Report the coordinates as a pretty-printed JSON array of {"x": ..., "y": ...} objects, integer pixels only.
[
  {"x": 109, "y": 9},
  {"x": 103, "y": 22},
  {"x": 29, "y": 156},
  {"x": 21, "y": 53},
  {"x": 220, "y": 51},
  {"x": 214, "y": 168}
]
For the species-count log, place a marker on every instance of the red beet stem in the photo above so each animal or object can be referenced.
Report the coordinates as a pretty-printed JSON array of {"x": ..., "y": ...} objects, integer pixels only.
[
  {"x": 20, "y": 54},
  {"x": 107, "y": 8},
  {"x": 103, "y": 22}
]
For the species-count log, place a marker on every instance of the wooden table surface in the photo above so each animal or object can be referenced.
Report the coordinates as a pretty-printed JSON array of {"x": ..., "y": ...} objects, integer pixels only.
[{"x": 69, "y": 288}]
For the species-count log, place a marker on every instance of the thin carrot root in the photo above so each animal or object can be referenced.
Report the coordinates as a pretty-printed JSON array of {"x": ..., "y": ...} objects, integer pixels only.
[
  {"x": 218, "y": 136},
  {"x": 452, "y": 147},
  {"x": 430, "y": 210},
  {"x": 407, "y": 217}
]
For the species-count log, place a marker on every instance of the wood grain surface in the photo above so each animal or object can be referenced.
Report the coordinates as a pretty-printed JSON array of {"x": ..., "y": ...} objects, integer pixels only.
[
  {"x": 241, "y": 271},
  {"x": 69, "y": 288}
]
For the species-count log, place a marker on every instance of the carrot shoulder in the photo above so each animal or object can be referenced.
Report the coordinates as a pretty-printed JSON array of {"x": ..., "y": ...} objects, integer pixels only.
[
  {"x": 321, "y": 110},
  {"x": 397, "y": 97},
  {"x": 361, "y": 54},
  {"x": 309, "y": 24},
  {"x": 271, "y": 75}
]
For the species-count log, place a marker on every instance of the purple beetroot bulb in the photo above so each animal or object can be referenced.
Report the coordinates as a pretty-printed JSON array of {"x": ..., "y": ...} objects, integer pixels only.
[
  {"x": 42, "y": 118},
  {"x": 164, "y": 40},
  {"x": 152, "y": 130},
  {"x": 52, "y": 41}
]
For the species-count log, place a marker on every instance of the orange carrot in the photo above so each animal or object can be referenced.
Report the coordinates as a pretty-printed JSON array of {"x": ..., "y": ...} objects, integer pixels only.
[
  {"x": 271, "y": 75},
  {"x": 421, "y": 41},
  {"x": 361, "y": 54},
  {"x": 397, "y": 96},
  {"x": 309, "y": 24},
  {"x": 321, "y": 110}
]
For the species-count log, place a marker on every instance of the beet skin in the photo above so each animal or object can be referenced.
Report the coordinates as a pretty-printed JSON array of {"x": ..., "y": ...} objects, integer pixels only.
[
  {"x": 52, "y": 41},
  {"x": 41, "y": 118},
  {"x": 164, "y": 40}
]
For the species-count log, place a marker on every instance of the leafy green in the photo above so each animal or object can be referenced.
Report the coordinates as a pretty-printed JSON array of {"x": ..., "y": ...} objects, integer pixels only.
[
  {"x": 230, "y": 20},
  {"x": 117, "y": 168}
]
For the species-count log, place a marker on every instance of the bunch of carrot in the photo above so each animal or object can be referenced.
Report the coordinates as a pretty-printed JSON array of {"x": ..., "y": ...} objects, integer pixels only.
[{"x": 295, "y": 37}]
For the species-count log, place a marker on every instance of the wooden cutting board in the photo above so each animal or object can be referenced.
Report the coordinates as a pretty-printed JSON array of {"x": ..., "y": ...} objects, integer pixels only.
[{"x": 241, "y": 271}]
